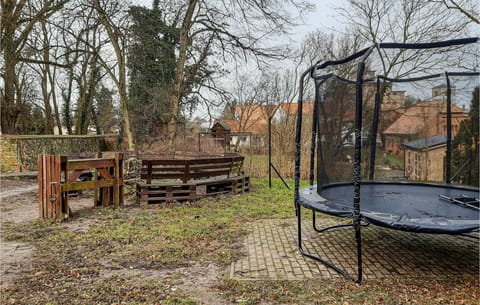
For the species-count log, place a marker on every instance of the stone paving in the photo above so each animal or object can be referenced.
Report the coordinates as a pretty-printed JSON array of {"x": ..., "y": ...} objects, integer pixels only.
[{"x": 271, "y": 252}]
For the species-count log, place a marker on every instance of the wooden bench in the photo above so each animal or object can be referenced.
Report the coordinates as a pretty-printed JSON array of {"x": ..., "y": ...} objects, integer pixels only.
[{"x": 190, "y": 178}]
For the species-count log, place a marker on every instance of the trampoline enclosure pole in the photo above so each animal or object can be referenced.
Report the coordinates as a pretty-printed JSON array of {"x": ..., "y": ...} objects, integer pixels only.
[
  {"x": 357, "y": 175},
  {"x": 298, "y": 138},
  {"x": 270, "y": 152},
  {"x": 448, "y": 157},
  {"x": 373, "y": 135},
  {"x": 314, "y": 131}
]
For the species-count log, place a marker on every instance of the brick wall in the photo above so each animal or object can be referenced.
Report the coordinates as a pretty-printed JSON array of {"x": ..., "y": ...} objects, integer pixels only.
[
  {"x": 8, "y": 155},
  {"x": 20, "y": 153}
]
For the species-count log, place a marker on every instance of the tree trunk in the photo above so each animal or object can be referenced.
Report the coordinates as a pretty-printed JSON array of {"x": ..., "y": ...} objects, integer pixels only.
[
  {"x": 179, "y": 74},
  {"x": 120, "y": 81},
  {"x": 51, "y": 79},
  {"x": 9, "y": 112},
  {"x": 55, "y": 103},
  {"x": 122, "y": 89},
  {"x": 45, "y": 94},
  {"x": 50, "y": 123},
  {"x": 82, "y": 99},
  {"x": 126, "y": 119}
]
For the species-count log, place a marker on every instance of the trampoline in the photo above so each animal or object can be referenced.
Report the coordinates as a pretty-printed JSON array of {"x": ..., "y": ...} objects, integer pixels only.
[
  {"x": 345, "y": 125},
  {"x": 421, "y": 208}
]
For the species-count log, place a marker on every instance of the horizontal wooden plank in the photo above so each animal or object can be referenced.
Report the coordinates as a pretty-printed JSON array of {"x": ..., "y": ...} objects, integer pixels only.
[
  {"x": 162, "y": 162},
  {"x": 147, "y": 173},
  {"x": 78, "y": 186},
  {"x": 89, "y": 163},
  {"x": 211, "y": 173},
  {"x": 166, "y": 187},
  {"x": 165, "y": 192},
  {"x": 210, "y": 166},
  {"x": 159, "y": 176},
  {"x": 164, "y": 168},
  {"x": 211, "y": 161},
  {"x": 144, "y": 184},
  {"x": 167, "y": 199}
]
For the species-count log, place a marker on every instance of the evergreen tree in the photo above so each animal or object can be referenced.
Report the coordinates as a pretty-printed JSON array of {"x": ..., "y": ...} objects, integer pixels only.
[
  {"x": 151, "y": 62},
  {"x": 104, "y": 112},
  {"x": 465, "y": 146},
  {"x": 31, "y": 120}
]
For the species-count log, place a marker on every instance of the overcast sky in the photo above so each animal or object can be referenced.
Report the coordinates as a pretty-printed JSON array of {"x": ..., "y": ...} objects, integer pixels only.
[{"x": 323, "y": 17}]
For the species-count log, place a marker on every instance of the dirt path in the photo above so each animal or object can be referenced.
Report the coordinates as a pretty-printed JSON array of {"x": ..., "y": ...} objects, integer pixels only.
[
  {"x": 17, "y": 205},
  {"x": 4, "y": 193}
]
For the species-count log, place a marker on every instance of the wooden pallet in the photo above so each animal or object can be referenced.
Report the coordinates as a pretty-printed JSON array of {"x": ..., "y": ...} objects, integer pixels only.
[
  {"x": 235, "y": 185},
  {"x": 217, "y": 187},
  {"x": 239, "y": 184},
  {"x": 165, "y": 192},
  {"x": 194, "y": 189}
]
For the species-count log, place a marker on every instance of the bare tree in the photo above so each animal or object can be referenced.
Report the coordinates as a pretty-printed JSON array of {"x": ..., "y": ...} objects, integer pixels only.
[
  {"x": 18, "y": 20},
  {"x": 114, "y": 19},
  {"x": 235, "y": 28},
  {"x": 411, "y": 21},
  {"x": 469, "y": 8},
  {"x": 45, "y": 56}
]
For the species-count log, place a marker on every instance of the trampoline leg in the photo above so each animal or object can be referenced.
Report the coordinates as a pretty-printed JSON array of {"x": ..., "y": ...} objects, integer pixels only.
[
  {"x": 317, "y": 258},
  {"x": 358, "y": 238},
  {"x": 320, "y": 230}
]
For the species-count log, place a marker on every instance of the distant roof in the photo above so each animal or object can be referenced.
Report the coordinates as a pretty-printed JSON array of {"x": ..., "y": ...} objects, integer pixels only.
[
  {"x": 425, "y": 143},
  {"x": 223, "y": 125},
  {"x": 416, "y": 117},
  {"x": 292, "y": 108}
]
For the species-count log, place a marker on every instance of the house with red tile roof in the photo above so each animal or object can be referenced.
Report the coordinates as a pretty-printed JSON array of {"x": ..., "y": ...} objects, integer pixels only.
[
  {"x": 285, "y": 110},
  {"x": 423, "y": 120},
  {"x": 252, "y": 119}
]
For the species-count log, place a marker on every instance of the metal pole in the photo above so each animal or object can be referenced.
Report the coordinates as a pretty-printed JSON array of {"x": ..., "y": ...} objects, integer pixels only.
[
  {"x": 314, "y": 131},
  {"x": 373, "y": 138},
  {"x": 298, "y": 139},
  {"x": 280, "y": 176},
  {"x": 270, "y": 152},
  {"x": 449, "y": 132},
  {"x": 357, "y": 174}
]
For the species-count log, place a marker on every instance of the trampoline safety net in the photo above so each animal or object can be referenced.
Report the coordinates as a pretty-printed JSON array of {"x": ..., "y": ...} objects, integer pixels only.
[{"x": 397, "y": 150}]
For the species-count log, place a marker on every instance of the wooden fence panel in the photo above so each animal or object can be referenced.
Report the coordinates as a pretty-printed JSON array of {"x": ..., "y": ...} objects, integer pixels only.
[{"x": 53, "y": 192}]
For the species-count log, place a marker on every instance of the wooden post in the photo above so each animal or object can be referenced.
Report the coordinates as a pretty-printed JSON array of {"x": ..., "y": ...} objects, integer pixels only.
[
  {"x": 118, "y": 188},
  {"x": 186, "y": 175},
  {"x": 55, "y": 185},
  {"x": 41, "y": 191},
  {"x": 49, "y": 187},
  {"x": 65, "y": 203}
]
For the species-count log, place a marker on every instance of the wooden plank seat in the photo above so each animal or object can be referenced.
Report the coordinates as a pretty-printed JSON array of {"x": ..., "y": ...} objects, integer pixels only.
[{"x": 188, "y": 178}]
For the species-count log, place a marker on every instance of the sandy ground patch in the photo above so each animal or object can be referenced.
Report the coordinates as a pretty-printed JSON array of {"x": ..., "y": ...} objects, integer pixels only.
[{"x": 19, "y": 204}]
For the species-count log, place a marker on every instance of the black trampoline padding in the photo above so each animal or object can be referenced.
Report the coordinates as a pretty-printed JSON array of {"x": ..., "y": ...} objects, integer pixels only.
[{"x": 402, "y": 206}]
